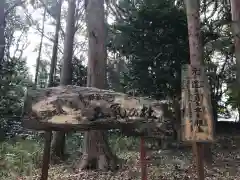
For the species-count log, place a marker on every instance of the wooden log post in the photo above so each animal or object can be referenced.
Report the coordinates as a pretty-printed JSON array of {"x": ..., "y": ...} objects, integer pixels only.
[
  {"x": 198, "y": 152},
  {"x": 46, "y": 155},
  {"x": 197, "y": 118},
  {"x": 194, "y": 125},
  {"x": 143, "y": 159}
]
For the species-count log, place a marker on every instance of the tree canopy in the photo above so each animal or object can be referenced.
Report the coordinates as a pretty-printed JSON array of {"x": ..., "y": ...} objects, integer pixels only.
[{"x": 154, "y": 39}]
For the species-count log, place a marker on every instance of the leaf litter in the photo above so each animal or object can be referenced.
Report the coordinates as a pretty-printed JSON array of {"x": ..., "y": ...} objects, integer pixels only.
[{"x": 173, "y": 164}]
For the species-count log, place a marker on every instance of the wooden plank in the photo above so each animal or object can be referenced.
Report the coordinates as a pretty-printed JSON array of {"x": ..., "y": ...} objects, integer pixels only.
[
  {"x": 135, "y": 127},
  {"x": 80, "y": 103},
  {"x": 67, "y": 108},
  {"x": 197, "y": 118}
]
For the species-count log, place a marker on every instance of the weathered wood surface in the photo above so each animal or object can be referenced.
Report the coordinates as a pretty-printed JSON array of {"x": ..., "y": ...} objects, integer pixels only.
[
  {"x": 197, "y": 118},
  {"x": 85, "y": 108}
]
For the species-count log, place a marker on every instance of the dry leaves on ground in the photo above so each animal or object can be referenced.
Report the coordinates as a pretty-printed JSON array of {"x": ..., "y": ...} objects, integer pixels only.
[{"x": 162, "y": 165}]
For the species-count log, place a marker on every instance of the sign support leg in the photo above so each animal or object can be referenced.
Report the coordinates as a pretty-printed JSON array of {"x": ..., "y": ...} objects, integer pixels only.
[
  {"x": 143, "y": 159},
  {"x": 198, "y": 153},
  {"x": 46, "y": 155}
]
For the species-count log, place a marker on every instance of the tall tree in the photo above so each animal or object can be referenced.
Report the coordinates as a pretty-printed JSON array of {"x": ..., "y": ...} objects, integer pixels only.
[
  {"x": 2, "y": 28},
  {"x": 55, "y": 44},
  {"x": 97, "y": 46},
  {"x": 40, "y": 49},
  {"x": 96, "y": 151},
  {"x": 195, "y": 44},
  {"x": 66, "y": 73},
  {"x": 235, "y": 9},
  {"x": 153, "y": 70},
  {"x": 196, "y": 47},
  {"x": 58, "y": 142}
]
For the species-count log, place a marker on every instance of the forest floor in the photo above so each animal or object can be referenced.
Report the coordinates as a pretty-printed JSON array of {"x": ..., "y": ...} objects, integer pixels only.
[{"x": 21, "y": 160}]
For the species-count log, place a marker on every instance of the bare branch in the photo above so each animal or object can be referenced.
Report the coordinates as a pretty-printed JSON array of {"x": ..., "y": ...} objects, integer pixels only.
[{"x": 17, "y": 46}]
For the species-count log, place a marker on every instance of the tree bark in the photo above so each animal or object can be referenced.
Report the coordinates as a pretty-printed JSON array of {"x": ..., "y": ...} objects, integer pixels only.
[
  {"x": 55, "y": 46},
  {"x": 96, "y": 151},
  {"x": 2, "y": 28},
  {"x": 177, "y": 112},
  {"x": 194, "y": 32},
  {"x": 235, "y": 9},
  {"x": 66, "y": 72},
  {"x": 58, "y": 143},
  {"x": 96, "y": 43},
  {"x": 196, "y": 49}
]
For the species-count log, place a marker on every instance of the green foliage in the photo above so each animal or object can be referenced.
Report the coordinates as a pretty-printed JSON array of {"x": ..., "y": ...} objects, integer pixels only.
[
  {"x": 43, "y": 74},
  {"x": 79, "y": 72},
  {"x": 14, "y": 78},
  {"x": 120, "y": 143},
  {"x": 154, "y": 39},
  {"x": 74, "y": 142},
  {"x": 19, "y": 158},
  {"x": 234, "y": 96}
]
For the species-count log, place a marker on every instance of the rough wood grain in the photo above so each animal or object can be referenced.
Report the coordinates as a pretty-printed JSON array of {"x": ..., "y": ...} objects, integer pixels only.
[
  {"x": 197, "y": 118},
  {"x": 87, "y": 108}
]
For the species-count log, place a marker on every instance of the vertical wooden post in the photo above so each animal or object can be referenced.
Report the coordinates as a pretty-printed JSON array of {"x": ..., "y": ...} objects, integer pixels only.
[
  {"x": 46, "y": 155},
  {"x": 196, "y": 58},
  {"x": 235, "y": 10},
  {"x": 198, "y": 153},
  {"x": 143, "y": 159}
]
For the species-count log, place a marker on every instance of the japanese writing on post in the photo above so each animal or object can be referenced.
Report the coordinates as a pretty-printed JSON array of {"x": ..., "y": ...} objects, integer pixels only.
[
  {"x": 196, "y": 105},
  {"x": 196, "y": 85}
]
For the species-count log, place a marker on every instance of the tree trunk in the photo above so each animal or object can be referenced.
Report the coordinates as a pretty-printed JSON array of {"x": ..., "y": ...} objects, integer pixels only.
[
  {"x": 196, "y": 49},
  {"x": 177, "y": 112},
  {"x": 195, "y": 44},
  {"x": 66, "y": 72},
  {"x": 97, "y": 36},
  {"x": 2, "y": 28},
  {"x": 235, "y": 9},
  {"x": 238, "y": 120},
  {"x": 58, "y": 143},
  {"x": 40, "y": 50},
  {"x": 96, "y": 151},
  {"x": 55, "y": 46}
]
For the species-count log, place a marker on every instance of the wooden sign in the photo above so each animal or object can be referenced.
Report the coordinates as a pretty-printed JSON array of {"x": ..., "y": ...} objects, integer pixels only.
[{"x": 196, "y": 108}]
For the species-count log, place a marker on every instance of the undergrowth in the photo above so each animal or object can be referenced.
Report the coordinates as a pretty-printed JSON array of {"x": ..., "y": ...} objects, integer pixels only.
[
  {"x": 22, "y": 157},
  {"x": 21, "y": 160},
  {"x": 19, "y": 157}
]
